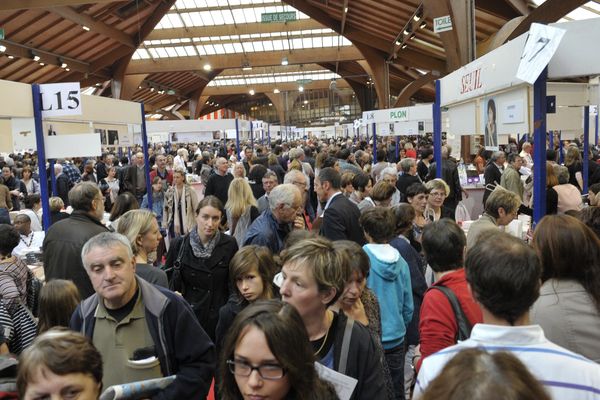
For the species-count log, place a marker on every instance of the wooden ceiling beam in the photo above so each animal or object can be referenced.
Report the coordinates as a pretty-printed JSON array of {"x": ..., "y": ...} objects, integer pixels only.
[
  {"x": 232, "y": 30},
  {"x": 96, "y": 26},
  {"x": 269, "y": 58},
  {"x": 6, "y": 5},
  {"x": 547, "y": 12}
]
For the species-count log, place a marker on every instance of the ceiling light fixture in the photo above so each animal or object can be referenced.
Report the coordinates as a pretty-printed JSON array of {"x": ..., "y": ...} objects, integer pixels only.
[
  {"x": 64, "y": 65},
  {"x": 345, "y": 9},
  {"x": 270, "y": 104},
  {"x": 305, "y": 101},
  {"x": 407, "y": 30},
  {"x": 423, "y": 25},
  {"x": 418, "y": 15},
  {"x": 246, "y": 66},
  {"x": 85, "y": 28},
  {"x": 42, "y": 64},
  {"x": 398, "y": 42},
  {"x": 207, "y": 67},
  {"x": 284, "y": 61},
  {"x": 10, "y": 57},
  {"x": 404, "y": 45},
  {"x": 2, "y": 48},
  {"x": 36, "y": 58},
  {"x": 301, "y": 88},
  {"x": 251, "y": 91},
  {"x": 412, "y": 36},
  {"x": 275, "y": 90},
  {"x": 67, "y": 69}
]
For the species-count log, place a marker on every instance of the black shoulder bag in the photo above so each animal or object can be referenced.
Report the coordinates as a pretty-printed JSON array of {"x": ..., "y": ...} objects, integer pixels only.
[
  {"x": 464, "y": 326},
  {"x": 174, "y": 273}
]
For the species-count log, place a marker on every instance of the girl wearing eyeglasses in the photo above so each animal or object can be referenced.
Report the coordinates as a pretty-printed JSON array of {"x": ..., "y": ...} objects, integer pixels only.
[{"x": 267, "y": 355}]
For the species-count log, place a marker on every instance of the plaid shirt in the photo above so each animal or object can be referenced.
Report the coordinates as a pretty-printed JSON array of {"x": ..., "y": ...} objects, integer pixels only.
[{"x": 72, "y": 173}]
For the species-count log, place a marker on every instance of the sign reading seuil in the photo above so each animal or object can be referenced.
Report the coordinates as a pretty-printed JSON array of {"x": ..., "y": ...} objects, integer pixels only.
[{"x": 471, "y": 81}]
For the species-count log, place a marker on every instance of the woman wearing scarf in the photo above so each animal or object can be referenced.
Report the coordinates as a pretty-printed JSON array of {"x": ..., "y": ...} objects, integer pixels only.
[
  {"x": 200, "y": 261},
  {"x": 180, "y": 205}
]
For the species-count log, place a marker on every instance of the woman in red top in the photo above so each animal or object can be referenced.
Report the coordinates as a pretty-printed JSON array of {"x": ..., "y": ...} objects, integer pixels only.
[{"x": 444, "y": 243}]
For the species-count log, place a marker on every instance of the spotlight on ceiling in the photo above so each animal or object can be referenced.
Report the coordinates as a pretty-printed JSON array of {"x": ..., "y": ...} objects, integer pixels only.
[
  {"x": 275, "y": 90},
  {"x": 207, "y": 67},
  {"x": 246, "y": 67},
  {"x": 423, "y": 25},
  {"x": 284, "y": 61},
  {"x": 301, "y": 88},
  {"x": 251, "y": 91},
  {"x": 2, "y": 48},
  {"x": 85, "y": 28}
]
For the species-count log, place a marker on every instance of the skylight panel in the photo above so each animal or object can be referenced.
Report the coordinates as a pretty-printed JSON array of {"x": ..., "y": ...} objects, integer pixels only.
[
  {"x": 187, "y": 19},
  {"x": 328, "y": 41},
  {"x": 219, "y": 18},
  {"x": 166, "y": 22},
  {"x": 201, "y": 3},
  {"x": 206, "y": 18},
  {"x": 297, "y": 44},
  {"x": 229, "y": 49},
  {"x": 277, "y": 44},
  {"x": 317, "y": 41},
  {"x": 171, "y": 51},
  {"x": 239, "y": 15},
  {"x": 162, "y": 53},
  {"x": 190, "y": 50},
  {"x": 234, "y": 2},
  {"x": 248, "y": 47},
  {"x": 201, "y": 50},
  {"x": 210, "y": 50},
  {"x": 258, "y": 46},
  {"x": 212, "y": 3},
  {"x": 237, "y": 47},
  {"x": 175, "y": 20},
  {"x": 307, "y": 43},
  {"x": 180, "y": 51},
  {"x": 219, "y": 49},
  {"x": 581, "y": 13},
  {"x": 255, "y": 35},
  {"x": 153, "y": 52},
  {"x": 186, "y": 4},
  {"x": 245, "y": 36}
]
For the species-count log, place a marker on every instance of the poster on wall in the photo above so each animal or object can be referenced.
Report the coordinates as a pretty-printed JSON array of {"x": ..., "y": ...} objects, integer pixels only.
[
  {"x": 103, "y": 137},
  {"x": 488, "y": 118},
  {"x": 23, "y": 134}
]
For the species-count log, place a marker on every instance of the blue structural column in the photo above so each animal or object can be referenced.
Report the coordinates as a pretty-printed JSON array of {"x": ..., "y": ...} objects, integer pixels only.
[
  {"x": 269, "y": 134},
  {"x": 561, "y": 152},
  {"x": 237, "y": 139},
  {"x": 586, "y": 147},
  {"x": 397, "y": 148},
  {"x": 437, "y": 131},
  {"x": 539, "y": 151},
  {"x": 551, "y": 140},
  {"x": 146, "y": 158},
  {"x": 251, "y": 135},
  {"x": 374, "y": 143},
  {"x": 41, "y": 154}
]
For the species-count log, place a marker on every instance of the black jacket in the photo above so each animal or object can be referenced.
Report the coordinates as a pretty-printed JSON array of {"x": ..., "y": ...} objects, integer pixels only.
[
  {"x": 491, "y": 174},
  {"x": 62, "y": 250},
  {"x": 62, "y": 188},
  {"x": 403, "y": 182},
  {"x": 340, "y": 221},
  {"x": 182, "y": 348},
  {"x": 204, "y": 283},
  {"x": 364, "y": 361}
]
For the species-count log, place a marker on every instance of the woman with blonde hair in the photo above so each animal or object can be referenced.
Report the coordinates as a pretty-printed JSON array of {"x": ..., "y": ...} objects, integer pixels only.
[
  {"x": 181, "y": 201},
  {"x": 240, "y": 208},
  {"x": 141, "y": 229},
  {"x": 575, "y": 165},
  {"x": 438, "y": 191}
]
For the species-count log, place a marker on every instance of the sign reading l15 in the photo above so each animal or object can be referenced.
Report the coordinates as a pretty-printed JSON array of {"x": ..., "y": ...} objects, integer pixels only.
[{"x": 60, "y": 99}]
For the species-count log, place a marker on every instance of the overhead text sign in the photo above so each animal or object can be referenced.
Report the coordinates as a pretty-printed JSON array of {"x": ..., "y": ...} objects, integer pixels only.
[
  {"x": 442, "y": 24},
  {"x": 59, "y": 99}
]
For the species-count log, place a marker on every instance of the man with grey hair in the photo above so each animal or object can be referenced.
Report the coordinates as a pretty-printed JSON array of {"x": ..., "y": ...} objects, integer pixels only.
[
  {"x": 492, "y": 174},
  {"x": 274, "y": 224},
  {"x": 269, "y": 181},
  {"x": 134, "y": 178},
  {"x": 390, "y": 175},
  {"x": 408, "y": 166},
  {"x": 141, "y": 330},
  {"x": 218, "y": 183},
  {"x": 65, "y": 238}
]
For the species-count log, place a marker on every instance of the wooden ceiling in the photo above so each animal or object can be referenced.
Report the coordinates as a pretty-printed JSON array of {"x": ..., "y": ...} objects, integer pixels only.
[{"x": 101, "y": 54}]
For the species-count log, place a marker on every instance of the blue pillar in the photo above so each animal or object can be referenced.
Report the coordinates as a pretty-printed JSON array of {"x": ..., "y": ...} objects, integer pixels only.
[
  {"x": 146, "y": 159},
  {"x": 437, "y": 131},
  {"x": 397, "y": 148},
  {"x": 586, "y": 147},
  {"x": 251, "y": 135},
  {"x": 551, "y": 140},
  {"x": 237, "y": 139},
  {"x": 374, "y": 143},
  {"x": 269, "y": 134},
  {"x": 539, "y": 151},
  {"x": 41, "y": 154}
]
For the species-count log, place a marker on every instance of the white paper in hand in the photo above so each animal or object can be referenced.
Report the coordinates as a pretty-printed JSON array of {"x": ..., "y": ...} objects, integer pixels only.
[
  {"x": 541, "y": 44},
  {"x": 344, "y": 385}
]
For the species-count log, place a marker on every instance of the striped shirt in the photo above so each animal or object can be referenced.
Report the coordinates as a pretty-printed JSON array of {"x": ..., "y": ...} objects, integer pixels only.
[
  {"x": 564, "y": 374},
  {"x": 13, "y": 281}
]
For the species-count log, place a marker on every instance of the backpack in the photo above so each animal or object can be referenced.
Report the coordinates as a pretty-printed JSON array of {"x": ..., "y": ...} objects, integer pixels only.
[
  {"x": 34, "y": 286},
  {"x": 464, "y": 326}
]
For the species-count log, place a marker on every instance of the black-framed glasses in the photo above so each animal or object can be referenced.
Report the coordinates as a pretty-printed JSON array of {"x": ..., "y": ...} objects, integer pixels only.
[{"x": 266, "y": 371}]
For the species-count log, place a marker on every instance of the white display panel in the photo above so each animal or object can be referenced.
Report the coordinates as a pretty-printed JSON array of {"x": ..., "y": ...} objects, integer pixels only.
[
  {"x": 462, "y": 119},
  {"x": 579, "y": 51}
]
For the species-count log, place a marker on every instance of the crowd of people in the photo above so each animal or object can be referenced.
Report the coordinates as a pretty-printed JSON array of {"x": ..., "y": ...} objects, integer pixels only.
[{"x": 301, "y": 270}]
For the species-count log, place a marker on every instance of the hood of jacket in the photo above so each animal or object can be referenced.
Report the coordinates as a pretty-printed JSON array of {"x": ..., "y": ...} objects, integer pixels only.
[{"x": 384, "y": 260}]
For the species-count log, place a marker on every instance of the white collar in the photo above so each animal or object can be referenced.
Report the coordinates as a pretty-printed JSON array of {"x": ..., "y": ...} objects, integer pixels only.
[
  {"x": 331, "y": 198},
  {"x": 508, "y": 335}
]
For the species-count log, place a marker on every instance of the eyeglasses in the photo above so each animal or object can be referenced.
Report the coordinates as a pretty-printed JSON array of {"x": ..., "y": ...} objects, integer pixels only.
[
  {"x": 266, "y": 371},
  {"x": 437, "y": 194}
]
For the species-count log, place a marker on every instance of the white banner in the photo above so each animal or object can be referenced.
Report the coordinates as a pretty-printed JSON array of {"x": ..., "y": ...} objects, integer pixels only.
[{"x": 79, "y": 145}]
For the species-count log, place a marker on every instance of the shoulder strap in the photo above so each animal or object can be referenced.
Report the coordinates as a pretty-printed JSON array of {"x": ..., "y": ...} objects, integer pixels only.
[
  {"x": 345, "y": 345},
  {"x": 464, "y": 326},
  {"x": 177, "y": 263}
]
